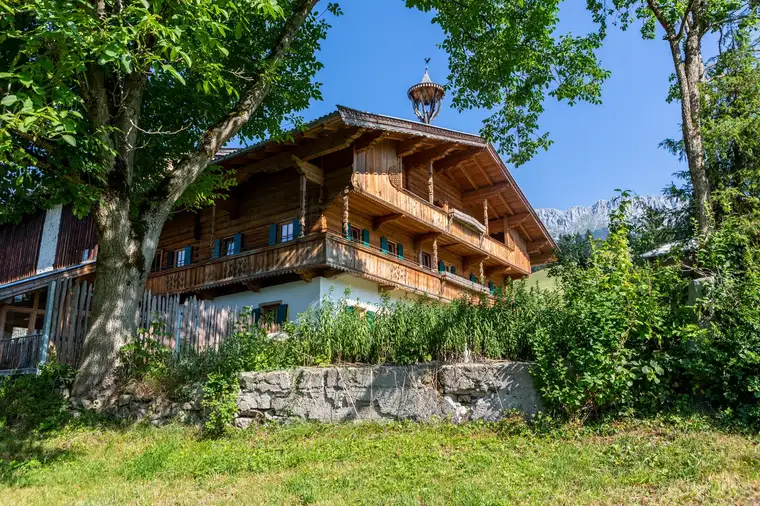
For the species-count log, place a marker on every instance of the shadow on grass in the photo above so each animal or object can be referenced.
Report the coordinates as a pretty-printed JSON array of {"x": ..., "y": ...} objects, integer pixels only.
[{"x": 26, "y": 444}]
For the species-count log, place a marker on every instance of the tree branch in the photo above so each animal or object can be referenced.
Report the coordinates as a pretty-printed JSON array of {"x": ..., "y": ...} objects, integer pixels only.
[
  {"x": 190, "y": 166},
  {"x": 655, "y": 8}
]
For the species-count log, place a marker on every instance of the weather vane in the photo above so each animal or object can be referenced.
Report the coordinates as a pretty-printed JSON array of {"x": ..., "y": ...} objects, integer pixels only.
[{"x": 426, "y": 97}]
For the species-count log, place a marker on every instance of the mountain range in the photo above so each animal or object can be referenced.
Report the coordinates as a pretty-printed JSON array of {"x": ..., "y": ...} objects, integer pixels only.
[{"x": 579, "y": 219}]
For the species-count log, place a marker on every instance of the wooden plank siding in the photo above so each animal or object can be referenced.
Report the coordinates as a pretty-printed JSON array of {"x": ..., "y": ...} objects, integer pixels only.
[
  {"x": 76, "y": 237},
  {"x": 314, "y": 251},
  {"x": 381, "y": 189},
  {"x": 20, "y": 247}
]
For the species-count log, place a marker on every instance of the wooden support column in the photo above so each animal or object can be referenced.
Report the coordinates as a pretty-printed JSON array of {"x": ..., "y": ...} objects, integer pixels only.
[
  {"x": 485, "y": 214},
  {"x": 430, "y": 182},
  {"x": 33, "y": 315},
  {"x": 302, "y": 218},
  {"x": 345, "y": 212},
  {"x": 3, "y": 313},
  {"x": 45, "y": 339},
  {"x": 435, "y": 254},
  {"x": 482, "y": 274}
]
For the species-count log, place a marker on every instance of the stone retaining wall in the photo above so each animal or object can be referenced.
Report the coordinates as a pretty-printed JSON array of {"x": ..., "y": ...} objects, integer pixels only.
[{"x": 458, "y": 392}]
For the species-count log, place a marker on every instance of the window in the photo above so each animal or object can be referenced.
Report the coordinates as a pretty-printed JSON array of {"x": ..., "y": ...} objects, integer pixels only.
[
  {"x": 228, "y": 246},
  {"x": 181, "y": 257},
  {"x": 426, "y": 260},
  {"x": 158, "y": 261},
  {"x": 271, "y": 315},
  {"x": 86, "y": 254},
  {"x": 356, "y": 234},
  {"x": 392, "y": 248},
  {"x": 286, "y": 232}
]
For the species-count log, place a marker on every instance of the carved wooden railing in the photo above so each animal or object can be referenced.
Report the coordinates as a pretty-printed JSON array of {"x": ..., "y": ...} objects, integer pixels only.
[
  {"x": 314, "y": 251},
  {"x": 379, "y": 187}
]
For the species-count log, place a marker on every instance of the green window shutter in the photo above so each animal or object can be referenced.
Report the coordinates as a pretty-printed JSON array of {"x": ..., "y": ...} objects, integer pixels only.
[
  {"x": 400, "y": 250},
  {"x": 473, "y": 278},
  {"x": 365, "y": 237},
  {"x": 188, "y": 255},
  {"x": 491, "y": 287},
  {"x": 370, "y": 316},
  {"x": 348, "y": 231},
  {"x": 384, "y": 244},
  {"x": 282, "y": 313},
  {"x": 441, "y": 266},
  {"x": 453, "y": 270},
  {"x": 217, "y": 249},
  {"x": 296, "y": 228},
  {"x": 237, "y": 243},
  {"x": 256, "y": 315},
  {"x": 272, "y": 234}
]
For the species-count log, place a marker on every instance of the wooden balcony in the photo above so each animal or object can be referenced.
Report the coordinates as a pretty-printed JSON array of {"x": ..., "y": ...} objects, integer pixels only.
[
  {"x": 380, "y": 189},
  {"x": 318, "y": 252}
]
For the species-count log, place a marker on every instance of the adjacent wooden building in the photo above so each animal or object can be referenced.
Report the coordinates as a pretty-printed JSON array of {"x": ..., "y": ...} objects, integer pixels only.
[{"x": 354, "y": 200}]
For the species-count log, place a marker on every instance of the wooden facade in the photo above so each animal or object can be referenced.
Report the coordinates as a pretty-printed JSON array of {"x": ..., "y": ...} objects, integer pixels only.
[
  {"x": 19, "y": 248},
  {"x": 408, "y": 206}
]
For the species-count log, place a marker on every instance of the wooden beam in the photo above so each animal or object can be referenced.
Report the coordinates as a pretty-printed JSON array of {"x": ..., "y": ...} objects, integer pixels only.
[
  {"x": 535, "y": 246},
  {"x": 431, "y": 155},
  {"x": 409, "y": 146},
  {"x": 253, "y": 285},
  {"x": 477, "y": 196},
  {"x": 379, "y": 221},
  {"x": 420, "y": 239},
  {"x": 312, "y": 173},
  {"x": 471, "y": 260},
  {"x": 368, "y": 140},
  {"x": 306, "y": 275},
  {"x": 544, "y": 258},
  {"x": 496, "y": 226},
  {"x": 494, "y": 271},
  {"x": 516, "y": 219},
  {"x": 455, "y": 160}
]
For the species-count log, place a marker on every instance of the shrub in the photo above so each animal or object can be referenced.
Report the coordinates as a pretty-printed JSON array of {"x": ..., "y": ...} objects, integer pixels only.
[
  {"x": 607, "y": 347},
  {"x": 36, "y": 402}
]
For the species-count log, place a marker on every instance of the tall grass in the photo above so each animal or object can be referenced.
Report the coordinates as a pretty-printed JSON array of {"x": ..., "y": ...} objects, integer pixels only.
[{"x": 410, "y": 330}]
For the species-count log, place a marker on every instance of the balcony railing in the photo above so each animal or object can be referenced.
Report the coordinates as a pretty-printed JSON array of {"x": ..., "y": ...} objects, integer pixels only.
[
  {"x": 380, "y": 188},
  {"x": 314, "y": 251},
  {"x": 19, "y": 354}
]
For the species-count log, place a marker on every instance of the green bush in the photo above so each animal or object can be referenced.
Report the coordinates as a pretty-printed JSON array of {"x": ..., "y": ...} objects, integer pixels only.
[
  {"x": 721, "y": 358},
  {"x": 36, "y": 402},
  {"x": 608, "y": 345}
]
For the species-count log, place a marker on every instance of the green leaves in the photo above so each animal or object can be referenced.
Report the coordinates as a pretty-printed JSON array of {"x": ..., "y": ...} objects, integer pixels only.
[
  {"x": 8, "y": 100},
  {"x": 506, "y": 56}
]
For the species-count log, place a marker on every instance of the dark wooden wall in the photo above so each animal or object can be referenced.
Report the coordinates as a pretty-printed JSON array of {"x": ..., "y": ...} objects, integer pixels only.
[
  {"x": 253, "y": 206},
  {"x": 19, "y": 248},
  {"x": 74, "y": 238}
]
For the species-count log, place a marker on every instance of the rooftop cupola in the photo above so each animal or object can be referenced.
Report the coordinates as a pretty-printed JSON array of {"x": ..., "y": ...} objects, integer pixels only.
[{"x": 426, "y": 97}]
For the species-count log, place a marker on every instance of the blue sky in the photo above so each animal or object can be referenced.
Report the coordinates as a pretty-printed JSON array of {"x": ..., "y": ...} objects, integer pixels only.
[{"x": 375, "y": 51}]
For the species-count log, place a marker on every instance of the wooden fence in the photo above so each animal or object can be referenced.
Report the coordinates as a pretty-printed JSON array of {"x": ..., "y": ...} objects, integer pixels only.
[
  {"x": 190, "y": 325},
  {"x": 181, "y": 326}
]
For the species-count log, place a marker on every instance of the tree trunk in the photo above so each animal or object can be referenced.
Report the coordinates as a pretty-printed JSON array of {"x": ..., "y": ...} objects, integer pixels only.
[
  {"x": 689, "y": 72},
  {"x": 127, "y": 242},
  {"x": 124, "y": 258}
]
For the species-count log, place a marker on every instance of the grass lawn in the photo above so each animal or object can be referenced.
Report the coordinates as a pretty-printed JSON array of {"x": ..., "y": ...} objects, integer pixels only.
[
  {"x": 631, "y": 463},
  {"x": 542, "y": 280}
]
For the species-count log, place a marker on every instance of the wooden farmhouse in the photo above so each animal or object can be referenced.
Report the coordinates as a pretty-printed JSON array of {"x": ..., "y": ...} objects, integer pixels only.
[{"x": 375, "y": 204}]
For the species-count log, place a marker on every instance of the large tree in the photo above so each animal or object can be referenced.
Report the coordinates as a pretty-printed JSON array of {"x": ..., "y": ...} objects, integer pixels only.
[
  {"x": 686, "y": 24},
  {"x": 118, "y": 106}
]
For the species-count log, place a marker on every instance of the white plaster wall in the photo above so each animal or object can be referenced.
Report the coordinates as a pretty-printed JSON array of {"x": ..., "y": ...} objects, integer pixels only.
[
  {"x": 298, "y": 295},
  {"x": 49, "y": 243},
  {"x": 364, "y": 293}
]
